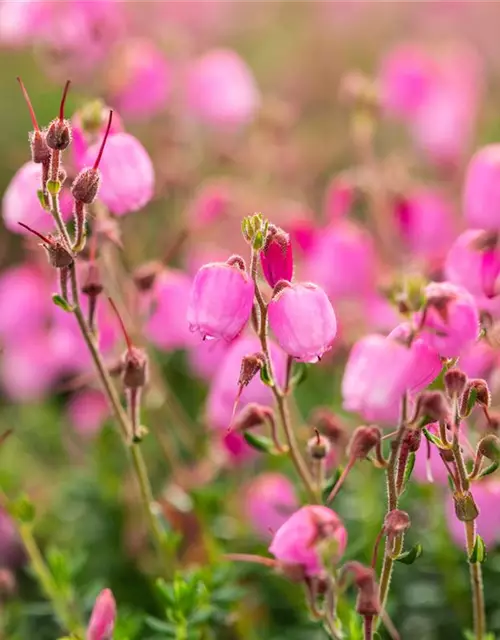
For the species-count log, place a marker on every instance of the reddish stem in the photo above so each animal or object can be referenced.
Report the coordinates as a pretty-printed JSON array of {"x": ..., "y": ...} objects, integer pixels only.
[
  {"x": 99, "y": 155},
  {"x": 30, "y": 106},
  {"x": 37, "y": 233},
  {"x": 376, "y": 547},
  {"x": 63, "y": 100},
  {"x": 340, "y": 481},
  {"x": 248, "y": 557},
  {"x": 130, "y": 346}
]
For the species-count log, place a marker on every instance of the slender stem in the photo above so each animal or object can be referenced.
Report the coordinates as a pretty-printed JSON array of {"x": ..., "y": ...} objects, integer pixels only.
[
  {"x": 368, "y": 627},
  {"x": 476, "y": 580},
  {"x": 250, "y": 557},
  {"x": 56, "y": 214},
  {"x": 68, "y": 618}
]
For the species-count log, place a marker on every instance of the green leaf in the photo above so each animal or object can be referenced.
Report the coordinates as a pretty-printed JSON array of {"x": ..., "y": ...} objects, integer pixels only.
[
  {"x": 60, "y": 302},
  {"x": 432, "y": 438},
  {"x": 260, "y": 443},
  {"x": 53, "y": 187},
  {"x": 410, "y": 463},
  {"x": 479, "y": 552},
  {"x": 489, "y": 469},
  {"x": 42, "y": 199},
  {"x": 471, "y": 401},
  {"x": 327, "y": 488},
  {"x": 258, "y": 241},
  {"x": 265, "y": 376},
  {"x": 22, "y": 509},
  {"x": 300, "y": 373},
  {"x": 409, "y": 557}
]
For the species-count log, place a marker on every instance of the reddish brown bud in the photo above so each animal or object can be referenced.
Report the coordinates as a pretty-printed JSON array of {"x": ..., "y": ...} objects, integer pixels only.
[
  {"x": 59, "y": 257},
  {"x": 40, "y": 152},
  {"x": 411, "y": 440},
  {"x": 476, "y": 392},
  {"x": 447, "y": 455},
  {"x": 250, "y": 367},
  {"x": 236, "y": 261},
  {"x": 329, "y": 424},
  {"x": 362, "y": 442},
  {"x": 145, "y": 275},
  {"x": 135, "y": 368},
  {"x": 431, "y": 406},
  {"x": 489, "y": 447},
  {"x": 86, "y": 185},
  {"x": 318, "y": 447},
  {"x": 465, "y": 506},
  {"x": 59, "y": 131},
  {"x": 251, "y": 416},
  {"x": 396, "y": 522},
  {"x": 92, "y": 285},
  {"x": 367, "y": 603},
  {"x": 455, "y": 382}
]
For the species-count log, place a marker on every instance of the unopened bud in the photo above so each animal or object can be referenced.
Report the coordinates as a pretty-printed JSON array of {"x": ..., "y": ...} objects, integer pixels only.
[
  {"x": 431, "y": 406},
  {"x": 145, "y": 275},
  {"x": 59, "y": 135},
  {"x": 276, "y": 256},
  {"x": 86, "y": 185},
  {"x": 135, "y": 368},
  {"x": 318, "y": 447},
  {"x": 489, "y": 447},
  {"x": 396, "y": 522},
  {"x": 411, "y": 440},
  {"x": 251, "y": 416},
  {"x": 40, "y": 152},
  {"x": 59, "y": 256},
  {"x": 102, "y": 620},
  {"x": 476, "y": 392},
  {"x": 92, "y": 285},
  {"x": 455, "y": 382},
  {"x": 362, "y": 442},
  {"x": 250, "y": 367},
  {"x": 329, "y": 425},
  {"x": 367, "y": 603},
  {"x": 465, "y": 506}
]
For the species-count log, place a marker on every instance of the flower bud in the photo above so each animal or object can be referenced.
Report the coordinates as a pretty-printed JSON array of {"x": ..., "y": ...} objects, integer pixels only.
[
  {"x": 412, "y": 439},
  {"x": 465, "y": 506},
  {"x": 145, "y": 275},
  {"x": 476, "y": 392},
  {"x": 251, "y": 416},
  {"x": 455, "y": 382},
  {"x": 221, "y": 301},
  {"x": 102, "y": 620},
  {"x": 40, "y": 152},
  {"x": 362, "y": 442},
  {"x": 276, "y": 256},
  {"x": 481, "y": 189},
  {"x": 396, "y": 522},
  {"x": 303, "y": 320},
  {"x": 367, "y": 603},
  {"x": 135, "y": 368},
  {"x": 489, "y": 447},
  {"x": 59, "y": 132},
  {"x": 59, "y": 257},
  {"x": 329, "y": 425},
  {"x": 318, "y": 447},
  {"x": 250, "y": 367},
  {"x": 431, "y": 406},
  {"x": 92, "y": 285}
]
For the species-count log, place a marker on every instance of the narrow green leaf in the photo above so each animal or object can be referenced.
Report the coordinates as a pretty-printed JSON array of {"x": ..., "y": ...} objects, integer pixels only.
[
  {"x": 265, "y": 376},
  {"x": 410, "y": 463},
  {"x": 327, "y": 488},
  {"x": 260, "y": 443},
  {"x": 22, "y": 509},
  {"x": 479, "y": 552},
  {"x": 409, "y": 557},
  {"x": 490, "y": 469},
  {"x": 432, "y": 438},
  {"x": 471, "y": 400},
  {"x": 42, "y": 199},
  {"x": 63, "y": 304},
  {"x": 300, "y": 373}
]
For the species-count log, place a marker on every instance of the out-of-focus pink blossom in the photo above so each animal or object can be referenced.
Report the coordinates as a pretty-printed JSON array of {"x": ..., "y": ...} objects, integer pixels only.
[
  {"x": 269, "y": 500},
  {"x": 221, "y": 301},
  {"x": 339, "y": 199},
  {"x": 474, "y": 267},
  {"x": 20, "y": 202},
  {"x": 486, "y": 495},
  {"x": 127, "y": 173},
  {"x": 342, "y": 261},
  {"x": 23, "y": 300},
  {"x": 206, "y": 357},
  {"x": 425, "y": 222},
  {"x": 209, "y": 204},
  {"x": 167, "y": 326},
  {"x": 276, "y": 257},
  {"x": 11, "y": 551},
  {"x": 478, "y": 360},
  {"x": 224, "y": 388},
  {"x": 303, "y": 320},
  {"x": 299, "y": 539},
  {"x": 482, "y": 189},
  {"x": 450, "y": 323},
  {"x": 141, "y": 79},
  {"x": 102, "y": 620},
  {"x": 87, "y": 411},
  {"x": 380, "y": 370},
  {"x": 236, "y": 448},
  {"x": 221, "y": 89},
  {"x": 88, "y": 127}
]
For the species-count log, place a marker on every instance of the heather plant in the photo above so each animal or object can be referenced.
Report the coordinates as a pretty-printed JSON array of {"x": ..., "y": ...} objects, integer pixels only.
[{"x": 249, "y": 369}]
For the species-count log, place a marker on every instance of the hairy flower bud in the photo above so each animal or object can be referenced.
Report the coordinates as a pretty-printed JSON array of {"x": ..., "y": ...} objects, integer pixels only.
[
  {"x": 318, "y": 447},
  {"x": 276, "y": 256},
  {"x": 431, "y": 406},
  {"x": 396, "y": 522},
  {"x": 250, "y": 367},
  {"x": 489, "y": 447},
  {"x": 362, "y": 442},
  {"x": 476, "y": 392},
  {"x": 465, "y": 506},
  {"x": 40, "y": 152},
  {"x": 59, "y": 257},
  {"x": 455, "y": 382},
  {"x": 59, "y": 132},
  {"x": 135, "y": 368}
]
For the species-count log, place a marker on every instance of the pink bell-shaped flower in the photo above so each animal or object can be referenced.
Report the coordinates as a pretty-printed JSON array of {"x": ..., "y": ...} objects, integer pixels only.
[
  {"x": 127, "y": 174},
  {"x": 221, "y": 301},
  {"x": 303, "y": 320},
  {"x": 486, "y": 496},
  {"x": 450, "y": 322},
  {"x": 269, "y": 500},
  {"x": 299, "y": 540},
  {"x": 276, "y": 256},
  {"x": 482, "y": 189},
  {"x": 102, "y": 620}
]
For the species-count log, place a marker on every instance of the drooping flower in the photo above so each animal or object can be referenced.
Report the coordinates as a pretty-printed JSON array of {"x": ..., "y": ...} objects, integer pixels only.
[
  {"x": 299, "y": 539},
  {"x": 303, "y": 320},
  {"x": 276, "y": 256},
  {"x": 221, "y": 301},
  {"x": 269, "y": 500},
  {"x": 482, "y": 189},
  {"x": 87, "y": 411}
]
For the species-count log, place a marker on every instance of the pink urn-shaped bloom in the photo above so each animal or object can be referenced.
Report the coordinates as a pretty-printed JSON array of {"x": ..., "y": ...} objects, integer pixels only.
[
  {"x": 103, "y": 618},
  {"x": 127, "y": 174},
  {"x": 224, "y": 388},
  {"x": 482, "y": 189},
  {"x": 342, "y": 261},
  {"x": 269, "y": 500},
  {"x": 221, "y": 301},
  {"x": 276, "y": 256},
  {"x": 425, "y": 222},
  {"x": 450, "y": 323},
  {"x": 20, "y": 202},
  {"x": 167, "y": 327},
  {"x": 303, "y": 320},
  {"x": 299, "y": 540},
  {"x": 140, "y": 79},
  {"x": 380, "y": 370},
  {"x": 486, "y": 495},
  {"x": 221, "y": 89}
]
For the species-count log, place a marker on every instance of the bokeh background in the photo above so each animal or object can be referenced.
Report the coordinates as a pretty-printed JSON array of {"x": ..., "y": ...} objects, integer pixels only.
[{"x": 306, "y": 106}]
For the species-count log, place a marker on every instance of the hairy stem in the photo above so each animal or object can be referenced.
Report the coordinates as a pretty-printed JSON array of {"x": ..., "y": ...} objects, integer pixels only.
[{"x": 476, "y": 580}]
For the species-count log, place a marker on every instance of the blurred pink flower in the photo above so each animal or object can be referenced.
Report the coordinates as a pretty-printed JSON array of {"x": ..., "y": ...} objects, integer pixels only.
[
  {"x": 102, "y": 620},
  {"x": 224, "y": 387},
  {"x": 11, "y": 550},
  {"x": 482, "y": 189},
  {"x": 478, "y": 360},
  {"x": 339, "y": 199},
  {"x": 236, "y": 448},
  {"x": 221, "y": 89},
  {"x": 87, "y": 410},
  {"x": 20, "y": 202},
  {"x": 24, "y": 300},
  {"x": 298, "y": 538},
  {"x": 486, "y": 494},
  {"x": 269, "y": 500},
  {"x": 210, "y": 203},
  {"x": 167, "y": 325},
  {"x": 87, "y": 134},
  {"x": 206, "y": 357},
  {"x": 141, "y": 80},
  {"x": 303, "y": 321},
  {"x": 342, "y": 260},
  {"x": 127, "y": 182}
]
